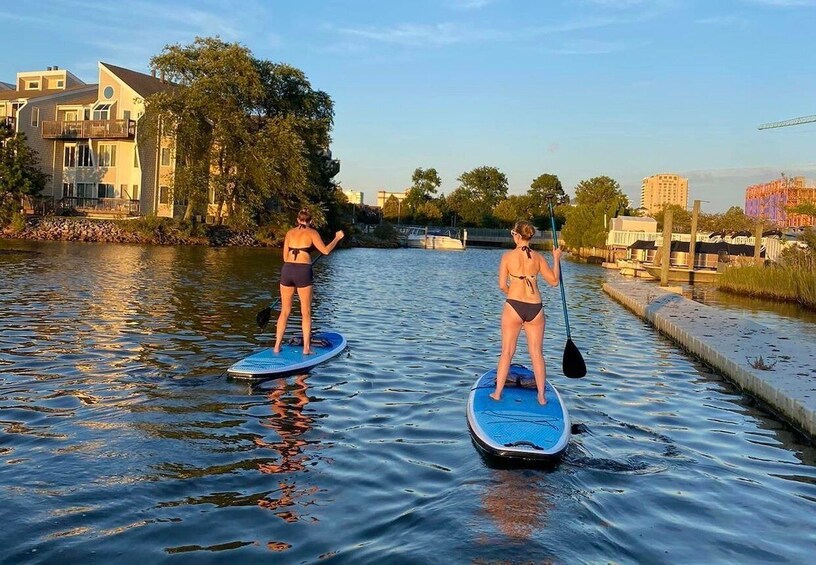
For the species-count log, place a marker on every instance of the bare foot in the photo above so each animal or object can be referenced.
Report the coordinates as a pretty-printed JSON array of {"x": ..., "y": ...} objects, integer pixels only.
[
  {"x": 542, "y": 400},
  {"x": 276, "y": 349},
  {"x": 495, "y": 397},
  {"x": 307, "y": 352}
]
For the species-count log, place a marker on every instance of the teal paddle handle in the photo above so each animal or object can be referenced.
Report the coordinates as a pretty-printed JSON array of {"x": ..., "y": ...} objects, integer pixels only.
[{"x": 560, "y": 276}]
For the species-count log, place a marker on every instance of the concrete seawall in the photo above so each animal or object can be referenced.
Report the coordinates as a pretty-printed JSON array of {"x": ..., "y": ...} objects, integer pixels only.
[{"x": 733, "y": 346}]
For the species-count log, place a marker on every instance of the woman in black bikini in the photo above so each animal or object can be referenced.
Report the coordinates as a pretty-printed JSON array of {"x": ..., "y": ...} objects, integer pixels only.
[
  {"x": 518, "y": 273},
  {"x": 296, "y": 273}
]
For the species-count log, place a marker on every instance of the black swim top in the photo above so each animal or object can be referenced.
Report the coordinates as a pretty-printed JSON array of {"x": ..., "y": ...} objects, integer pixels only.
[
  {"x": 296, "y": 250},
  {"x": 528, "y": 279}
]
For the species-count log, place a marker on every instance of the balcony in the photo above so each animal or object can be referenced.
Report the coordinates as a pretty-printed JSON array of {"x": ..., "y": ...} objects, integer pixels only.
[
  {"x": 89, "y": 129},
  {"x": 8, "y": 121},
  {"x": 104, "y": 206}
]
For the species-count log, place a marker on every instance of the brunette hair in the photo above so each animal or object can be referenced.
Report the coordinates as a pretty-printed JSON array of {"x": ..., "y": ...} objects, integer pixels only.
[
  {"x": 304, "y": 216},
  {"x": 525, "y": 229}
]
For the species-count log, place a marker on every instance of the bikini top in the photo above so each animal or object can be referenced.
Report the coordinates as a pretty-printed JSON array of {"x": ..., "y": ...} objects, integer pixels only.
[
  {"x": 528, "y": 279},
  {"x": 296, "y": 250}
]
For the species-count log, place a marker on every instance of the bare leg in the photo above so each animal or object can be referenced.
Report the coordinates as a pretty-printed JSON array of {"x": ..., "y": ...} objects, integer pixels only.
[
  {"x": 510, "y": 329},
  {"x": 535, "y": 343},
  {"x": 305, "y": 295},
  {"x": 286, "y": 294}
]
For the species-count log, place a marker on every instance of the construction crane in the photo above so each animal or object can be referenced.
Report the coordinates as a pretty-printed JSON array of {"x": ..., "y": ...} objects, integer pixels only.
[{"x": 791, "y": 122}]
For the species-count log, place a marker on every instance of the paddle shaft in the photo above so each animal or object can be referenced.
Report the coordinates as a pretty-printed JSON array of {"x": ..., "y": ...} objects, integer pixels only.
[{"x": 560, "y": 276}]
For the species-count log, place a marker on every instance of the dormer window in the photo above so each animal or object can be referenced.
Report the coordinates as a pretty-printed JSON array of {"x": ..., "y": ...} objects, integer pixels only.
[
  {"x": 60, "y": 83},
  {"x": 102, "y": 112},
  {"x": 33, "y": 85}
]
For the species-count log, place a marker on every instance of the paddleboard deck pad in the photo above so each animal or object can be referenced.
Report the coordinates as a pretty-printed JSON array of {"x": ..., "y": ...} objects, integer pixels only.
[
  {"x": 291, "y": 359},
  {"x": 517, "y": 426}
]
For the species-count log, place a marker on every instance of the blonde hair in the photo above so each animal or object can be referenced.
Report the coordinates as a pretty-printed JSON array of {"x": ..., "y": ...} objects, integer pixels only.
[{"x": 525, "y": 229}]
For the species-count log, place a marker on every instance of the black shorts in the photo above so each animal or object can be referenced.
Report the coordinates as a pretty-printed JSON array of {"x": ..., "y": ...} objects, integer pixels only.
[{"x": 299, "y": 275}]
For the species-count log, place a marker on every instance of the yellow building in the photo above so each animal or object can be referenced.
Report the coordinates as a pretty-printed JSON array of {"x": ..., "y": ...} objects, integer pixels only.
[
  {"x": 354, "y": 196},
  {"x": 661, "y": 189},
  {"x": 88, "y": 140},
  {"x": 384, "y": 195}
]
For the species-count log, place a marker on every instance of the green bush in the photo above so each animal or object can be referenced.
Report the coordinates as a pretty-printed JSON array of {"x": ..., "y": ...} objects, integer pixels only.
[
  {"x": 18, "y": 222},
  {"x": 789, "y": 283}
]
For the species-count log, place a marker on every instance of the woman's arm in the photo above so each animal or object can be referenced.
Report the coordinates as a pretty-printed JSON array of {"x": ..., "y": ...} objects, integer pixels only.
[
  {"x": 320, "y": 246},
  {"x": 503, "y": 271},
  {"x": 551, "y": 276},
  {"x": 286, "y": 246}
]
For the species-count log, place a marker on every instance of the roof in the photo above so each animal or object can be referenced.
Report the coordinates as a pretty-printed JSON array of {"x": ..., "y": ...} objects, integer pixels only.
[
  {"x": 144, "y": 85},
  {"x": 641, "y": 244},
  {"x": 31, "y": 94},
  {"x": 715, "y": 248},
  {"x": 637, "y": 218}
]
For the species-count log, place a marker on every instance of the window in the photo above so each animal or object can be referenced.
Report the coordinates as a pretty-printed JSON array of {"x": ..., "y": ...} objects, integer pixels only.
[
  {"x": 84, "y": 158},
  {"x": 135, "y": 195},
  {"x": 70, "y": 156},
  {"x": 126, "y": 115},
  {"x": 165, "y": 156},
  {"x": 123, "y": 192},
  {"x": 60, "y": 83},
  {"x": 135, "y": 157},
  {"x": 35, "y": 117},
  {"x": 106, "y": 190},
  {"x": 86, "y": 114},
  {"x": 106, "y": 156},
  {"x": 85, "y": 189},
  {"x": 102, "y": 112},
  {"x": 108, "y": 92},
  {"x": 67, "y": 189},
  {"x": 164, "y": 195},
  {"x": 33, "y": 85},
  {"x": 70, "y": 116}
]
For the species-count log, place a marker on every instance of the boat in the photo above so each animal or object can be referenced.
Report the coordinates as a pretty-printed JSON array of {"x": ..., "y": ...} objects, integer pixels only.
[
  {"x": 684, "y": 274},
  {"x": 436, "y": 238}
]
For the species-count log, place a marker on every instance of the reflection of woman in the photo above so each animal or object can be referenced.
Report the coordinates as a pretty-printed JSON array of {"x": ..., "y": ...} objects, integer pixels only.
[
  {"x": 296, "y": 273},
  {"x": 523, "y": 308},
  {"x": 290, "y": 423},
  {"x": 520, "y": 510}
]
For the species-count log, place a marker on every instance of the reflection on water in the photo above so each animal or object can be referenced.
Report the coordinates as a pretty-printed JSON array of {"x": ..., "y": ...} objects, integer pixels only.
[{"x": 121, "y": 437}]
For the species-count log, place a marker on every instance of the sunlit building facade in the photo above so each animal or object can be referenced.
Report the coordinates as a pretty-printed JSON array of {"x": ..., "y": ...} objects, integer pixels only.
[
  {"x": 770, "y": 201},
  {"x": 384, "y": 195},
  {"x": 665, "y": 188},
  {"x": 354, "y": 196}
]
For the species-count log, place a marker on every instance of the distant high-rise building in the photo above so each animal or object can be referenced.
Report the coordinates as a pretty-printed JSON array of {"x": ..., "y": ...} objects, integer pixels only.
[
  {"x": 354, "y": 196},
  {"x": 770, "y": 201},
  {"x": 664, "y": 188}
]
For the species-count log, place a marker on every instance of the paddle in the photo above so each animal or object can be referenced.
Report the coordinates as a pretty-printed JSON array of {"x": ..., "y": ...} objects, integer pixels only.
[
  {"x": 264, "y": 315},
  {"x": 573, "y": 363}
]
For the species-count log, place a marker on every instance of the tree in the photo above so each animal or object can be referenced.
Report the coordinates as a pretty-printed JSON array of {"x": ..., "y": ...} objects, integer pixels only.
[
  {"x": 487, "y": 184},
  {"x": 805, "y": 209},
  {"x": 597, "y": 199},
  {"x": 514, "y": 208},
  {"x": 734, "y": 219},
  {"x": 463, "y": 203},
  {"x": 424, "y": 185},
  {"x": 681, "y": 218},
  {"x": 541, "y": 190},
  {"x": 20, "y": 173},
  {"x": 392, "y": 209},
  {"x": 246, "y": 131}
]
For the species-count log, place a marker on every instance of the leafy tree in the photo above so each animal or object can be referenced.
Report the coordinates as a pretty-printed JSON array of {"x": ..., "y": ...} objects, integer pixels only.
[
  {"x": 20, "y": 173},
  {"x": 463, "y": 203},
  {"x": 247, "y": 131},
  {"x": 806, "y": 209},
  {"x": 514, "y": 208},
  {"x": 424, "y": 185},
  {"x": 541, "y": 189},
  {"x": 487, "y": 184},
  {"x": 734, "y": 219},
  {"x": 681, "y": 218},
  {"x": 392, "y": 209},
  {"x": 596, "y": 199}
]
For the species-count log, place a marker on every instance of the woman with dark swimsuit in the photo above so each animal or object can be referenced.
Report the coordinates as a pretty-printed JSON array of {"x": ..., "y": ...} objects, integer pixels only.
[
  {"x": 518, "y": 274},
  {"x": 296, "y": 273}
]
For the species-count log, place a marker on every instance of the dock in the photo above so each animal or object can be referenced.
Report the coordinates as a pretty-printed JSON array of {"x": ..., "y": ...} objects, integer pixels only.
[{"x": 784, "y": 377}]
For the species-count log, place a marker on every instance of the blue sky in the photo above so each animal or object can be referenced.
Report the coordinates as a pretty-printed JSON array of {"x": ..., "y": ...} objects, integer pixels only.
[{"x": 578, "y": 88}]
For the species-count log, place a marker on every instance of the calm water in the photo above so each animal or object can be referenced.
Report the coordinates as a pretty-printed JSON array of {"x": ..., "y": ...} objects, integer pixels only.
[{"x": 121, "y": 437}]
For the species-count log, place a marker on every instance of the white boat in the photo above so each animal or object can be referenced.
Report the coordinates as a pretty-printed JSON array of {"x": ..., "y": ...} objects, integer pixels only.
[{"x": 436, "y": 238}]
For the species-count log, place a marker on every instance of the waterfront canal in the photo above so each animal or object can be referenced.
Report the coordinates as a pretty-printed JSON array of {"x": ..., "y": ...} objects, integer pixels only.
[{"x": 121, "y": 437}]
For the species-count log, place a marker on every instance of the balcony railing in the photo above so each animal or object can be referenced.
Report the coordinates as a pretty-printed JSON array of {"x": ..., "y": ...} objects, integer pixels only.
[
  {"x": 111, "y": 205},
  {"x": 89, "y": 129}
]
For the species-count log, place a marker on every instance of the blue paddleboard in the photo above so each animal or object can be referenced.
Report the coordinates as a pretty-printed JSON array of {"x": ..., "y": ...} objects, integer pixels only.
[
  {"x": 517, "y": 426},
  {"x": 266, "y": 363}
]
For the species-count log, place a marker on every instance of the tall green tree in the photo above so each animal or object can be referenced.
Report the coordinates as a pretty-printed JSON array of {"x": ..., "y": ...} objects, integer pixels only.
[
  {"x": 597, "y": 200},
  {"x": 515, "y": 208},
  {"x": 424, "y": 185},
  {"x": 479, "y": 191},
  {"x": 255, "y": 130},
  {"x": 20, "y": 173},
  {"x": 541, "y": 189},
  {"x": 681, "y": 218}
]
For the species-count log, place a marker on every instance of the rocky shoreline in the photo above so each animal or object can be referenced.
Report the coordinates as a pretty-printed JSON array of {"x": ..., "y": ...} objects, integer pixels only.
[{"x": 59, "y": 228}]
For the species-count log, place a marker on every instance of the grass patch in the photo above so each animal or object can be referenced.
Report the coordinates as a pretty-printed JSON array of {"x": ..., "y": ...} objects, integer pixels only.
[{"x": 783, "y": 283}]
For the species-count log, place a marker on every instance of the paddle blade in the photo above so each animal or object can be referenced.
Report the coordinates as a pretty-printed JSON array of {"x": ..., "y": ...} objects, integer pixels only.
[
  {"x": 573, "y": 362},
  {"x": 263, "y": 317}
]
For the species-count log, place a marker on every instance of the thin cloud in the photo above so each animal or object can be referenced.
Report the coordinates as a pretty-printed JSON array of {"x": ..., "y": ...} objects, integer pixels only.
[
  {"x": 470, "y": 4},
  {"x": 748, "y": 173},
  {"x": 786, "y": 3},
  {"x": 724, "y": 21}
]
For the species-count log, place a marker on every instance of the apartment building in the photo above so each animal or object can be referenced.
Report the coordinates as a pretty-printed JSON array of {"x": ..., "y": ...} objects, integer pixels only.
[
  {"x": 354, "y": 196},
  {"x": 661, "y": 189},
  {"x": 384, "y": 195},
  {"x": 89, "y": 142},
  {"x": 770, "y": 201}
]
